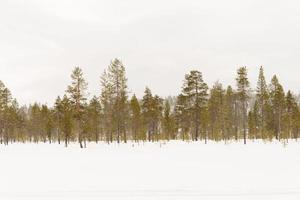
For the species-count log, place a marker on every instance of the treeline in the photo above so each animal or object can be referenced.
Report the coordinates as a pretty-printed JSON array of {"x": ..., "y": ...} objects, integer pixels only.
[{"x": 198, "y": 113}]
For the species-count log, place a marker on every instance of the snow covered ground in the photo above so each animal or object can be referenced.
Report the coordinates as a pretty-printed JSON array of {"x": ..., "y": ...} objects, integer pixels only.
[{"x": 176, "y": 170}]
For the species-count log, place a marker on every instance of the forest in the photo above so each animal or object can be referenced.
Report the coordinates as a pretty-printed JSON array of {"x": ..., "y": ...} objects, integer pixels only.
[{"x": 199, "y": 112}]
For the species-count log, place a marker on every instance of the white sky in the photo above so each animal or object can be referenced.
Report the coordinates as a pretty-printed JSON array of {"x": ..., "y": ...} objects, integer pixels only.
[{"x": 158, "y": 41}]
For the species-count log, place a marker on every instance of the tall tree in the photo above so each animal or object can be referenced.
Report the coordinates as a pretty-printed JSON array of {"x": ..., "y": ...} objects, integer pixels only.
[
  {"x": 66, "y": 109},
  {"x": 5, "y": 104},
  {"x": 35, "y": 122},
  {"x": 182, "y": 117},
  {"x": 168, "y": 122},
  {"x": 243, "y": 89},
  {"x": 118, "y": 83},
  {"x": 229, "y": 113},
  {"x": 262, "y": 96},
  {"x": 47, "y": 123},
  {"x": 135, "y": 118},
  {"x": 152, "y": 107},
  {"x": 77, "y": 94},
  {"x": 58, "y": 118},
  {"x": 216, "y": 111},
  {"x": 278, "y": 101},
  {"x": 195, "y": 92},
  {"x": 106, "y": 100},
  {"x": 291, "y": 112},
  {"x": 254, "y": 121},
  {"x": 94, "y": 118},
  {"x": 114, "y": 100}
]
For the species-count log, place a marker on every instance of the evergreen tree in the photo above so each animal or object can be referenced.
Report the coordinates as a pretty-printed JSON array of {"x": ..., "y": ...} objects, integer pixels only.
[
  {"x": 118, "y": 82},
  {"x": 58, "y": 118},
  {"x": 229, "y": 113},
  {"x": 195, "y": 92},
  {"x": 216, "y": 111},
  {"x": 277, "y": 101},
  {"x": 152, "y": 107},
  {"x": 114, "y": 98},
  {"x": 182, "y": 117},
  {"x": 94, "y": 117},
  {"x": 77, "y": 95},
  {"x": 66, "y": 108},
  {"x": 291, "y": 116},
  {"x": 254, "y": 121},
  {"x": 135, "y": 118},
  {"x": 47, "y": 123},
  {"x": 107, "y": 105},
  {"x": 243, "y": 88},
  {"x": 168, "y": 122},
  {"x": 5, "y": 104},
  {"x": 35, "y": 122},
  {"x": 262, "y": 96}
]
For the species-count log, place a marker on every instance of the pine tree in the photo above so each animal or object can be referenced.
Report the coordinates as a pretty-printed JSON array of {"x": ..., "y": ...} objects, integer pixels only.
[
  {"x": 216, "y": 111},
  {"x": 94, "y": 118},
  {"x": 77, "y": 94},
  {"x": 243, "y": 88},
  {"x": 58, "y": 118},
  {"x": 254, "y": 121},
  {"x": 168, "y": 122},
  {"x": 182, "y": 118},
  {"x": 195, "y": 92},
  {"x": 114, "y": 99},
  {"x": 66, "y": 107},
  {"x": 147, "y": 112},
  {"x": 5, "y": 103},
  {"x": 107, "y": 105},
  {"x": 277, "y": 101},
  {"x": 118, "y": 82},
  {"x": 291, "y": 116},
  {"x": 152, "y": 107},
  {"x": 47, "y": 123},
  {"x": 135, "y": 118},
  {"x": 15, "y": 121},
  {"x": 229, "y": 113},
  {"x": 35, "y": 123}
]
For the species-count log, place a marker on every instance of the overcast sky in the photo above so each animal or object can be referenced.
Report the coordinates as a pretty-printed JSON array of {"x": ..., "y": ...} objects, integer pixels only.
[{"x": 157, "y": 40}]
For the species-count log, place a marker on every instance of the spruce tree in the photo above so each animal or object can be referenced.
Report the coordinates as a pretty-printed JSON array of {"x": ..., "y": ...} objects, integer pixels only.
[{"x": 262, "y": 96}]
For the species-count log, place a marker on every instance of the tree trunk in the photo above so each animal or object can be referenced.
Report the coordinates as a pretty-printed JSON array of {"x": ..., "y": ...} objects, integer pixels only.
[{"x": 244, "y": 122}]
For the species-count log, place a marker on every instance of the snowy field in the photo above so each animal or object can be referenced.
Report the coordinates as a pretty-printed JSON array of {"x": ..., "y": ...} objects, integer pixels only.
[{"x": 176, "y": 170}]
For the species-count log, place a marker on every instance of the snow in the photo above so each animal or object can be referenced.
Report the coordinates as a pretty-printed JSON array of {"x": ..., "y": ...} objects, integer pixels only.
[{"x": 176, "y": 170}]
